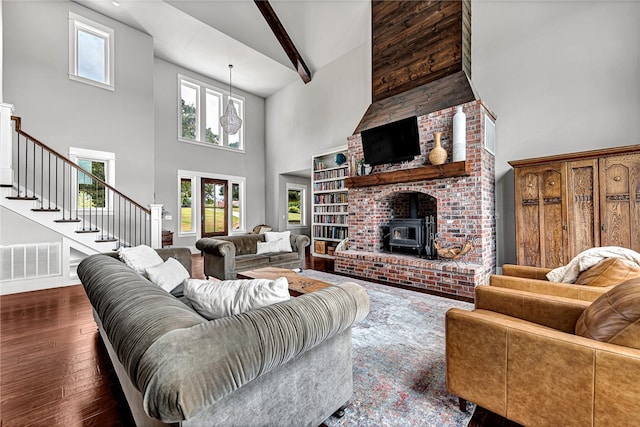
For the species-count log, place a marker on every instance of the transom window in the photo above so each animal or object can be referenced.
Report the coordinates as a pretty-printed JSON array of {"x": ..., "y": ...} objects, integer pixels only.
[
  {"x": 200, "y": 107},
  {"x": 90, "y": 52}
]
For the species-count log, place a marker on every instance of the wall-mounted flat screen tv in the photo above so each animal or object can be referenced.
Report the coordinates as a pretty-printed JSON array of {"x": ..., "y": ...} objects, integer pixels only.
[{"x": 391, "y": 143}]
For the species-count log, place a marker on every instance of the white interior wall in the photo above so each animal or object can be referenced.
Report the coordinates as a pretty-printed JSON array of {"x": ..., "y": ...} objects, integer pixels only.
[
  {"x": 172, "y": 155},
  {"x": 562, "y": 76},
  {"x": 63, "y": 113},
  {"x": 303, "y": 120}
]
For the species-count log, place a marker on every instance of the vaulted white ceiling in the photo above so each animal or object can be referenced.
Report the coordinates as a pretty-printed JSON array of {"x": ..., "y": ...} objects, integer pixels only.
[{"x": 208, "y": 35}]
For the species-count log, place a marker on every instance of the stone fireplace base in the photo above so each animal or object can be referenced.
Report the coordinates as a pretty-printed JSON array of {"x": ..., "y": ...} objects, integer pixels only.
[{"x": 438, "y": 276}]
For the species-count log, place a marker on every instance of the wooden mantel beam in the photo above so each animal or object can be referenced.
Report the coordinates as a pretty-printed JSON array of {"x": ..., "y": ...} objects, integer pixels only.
[{"x": 285, "y": 41}]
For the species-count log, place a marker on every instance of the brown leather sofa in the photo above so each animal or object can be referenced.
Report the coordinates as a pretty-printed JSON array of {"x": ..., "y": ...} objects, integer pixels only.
[{"x": 517, "y": 354}]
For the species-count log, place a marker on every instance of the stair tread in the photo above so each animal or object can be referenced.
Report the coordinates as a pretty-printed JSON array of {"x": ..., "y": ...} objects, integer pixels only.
[
  {"x": 88, "y": 230},
  {"x": 66, "y": 220},
  {"x": 45, "y": 210},
  {"x": 21, "y": 198}
]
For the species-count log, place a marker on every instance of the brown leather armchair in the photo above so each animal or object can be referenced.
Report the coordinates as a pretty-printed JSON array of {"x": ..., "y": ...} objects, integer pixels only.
[
  {"x": 590, "y": 284},
  {"x": 516, "y": 354}
]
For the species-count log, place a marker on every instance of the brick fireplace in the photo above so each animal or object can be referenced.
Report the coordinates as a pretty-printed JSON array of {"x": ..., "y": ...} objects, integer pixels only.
[{"x": 462, "y": 202}]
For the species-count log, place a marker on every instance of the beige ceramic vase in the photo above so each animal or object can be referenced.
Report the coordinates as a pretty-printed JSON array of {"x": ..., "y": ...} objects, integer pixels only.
[{"x": 438, "y": 155}]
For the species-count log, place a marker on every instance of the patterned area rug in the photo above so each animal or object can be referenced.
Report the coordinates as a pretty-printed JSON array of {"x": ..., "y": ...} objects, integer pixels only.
[{"x": 399, "y": 360}]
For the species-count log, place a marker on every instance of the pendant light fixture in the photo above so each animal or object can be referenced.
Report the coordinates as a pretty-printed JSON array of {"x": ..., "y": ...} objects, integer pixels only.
[{"x": 230, "y": 121}]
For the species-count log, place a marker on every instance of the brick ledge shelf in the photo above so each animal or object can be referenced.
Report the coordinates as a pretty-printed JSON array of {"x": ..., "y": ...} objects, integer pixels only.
[
  {"x": 444, "y": 277},
  {"x": 446, "y": 170}
]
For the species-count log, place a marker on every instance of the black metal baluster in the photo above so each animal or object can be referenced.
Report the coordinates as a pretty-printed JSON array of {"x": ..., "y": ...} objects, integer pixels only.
[
  {"x": 33, "y": 189},
  {"x": 41, "y": 176}
]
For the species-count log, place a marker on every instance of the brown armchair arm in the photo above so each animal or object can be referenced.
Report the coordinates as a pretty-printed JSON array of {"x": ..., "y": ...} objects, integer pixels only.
[
  {"x": 565, "y": 290},
  {"x": 525, "y": 271},
  {"x": 551, "y": 311}
]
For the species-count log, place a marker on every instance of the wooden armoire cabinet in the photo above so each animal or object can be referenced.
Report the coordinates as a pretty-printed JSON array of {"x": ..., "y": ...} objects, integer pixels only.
[{"x": 565, "y": 204}]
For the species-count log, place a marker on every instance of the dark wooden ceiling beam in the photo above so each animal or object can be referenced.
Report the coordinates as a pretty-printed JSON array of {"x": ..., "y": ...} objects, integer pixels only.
[{"x": 285, "y": 41}]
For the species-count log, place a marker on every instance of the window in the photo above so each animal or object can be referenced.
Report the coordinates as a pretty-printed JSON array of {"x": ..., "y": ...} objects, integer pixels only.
[
  {"x": 101, "y": 164},
  {"x": 90, "y": 52},
  {"x": 236, "y": 208},
  {"x": 187, "y": 213},
  {"x": 199, "y": 122},
  {"x": 296, "y": 205},
  {"x": 200, "y": 203},
  {"x": 91, "y": 193}
]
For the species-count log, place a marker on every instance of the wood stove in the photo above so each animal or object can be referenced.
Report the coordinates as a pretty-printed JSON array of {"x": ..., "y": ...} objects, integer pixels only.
[{"x": 412, "y": 233}]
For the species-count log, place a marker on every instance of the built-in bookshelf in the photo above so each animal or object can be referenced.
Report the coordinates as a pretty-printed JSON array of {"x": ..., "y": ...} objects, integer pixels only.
[{"x": 330, "y": 202}]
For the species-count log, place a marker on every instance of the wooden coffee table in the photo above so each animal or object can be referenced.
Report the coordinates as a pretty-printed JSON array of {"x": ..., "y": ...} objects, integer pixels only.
[{"x": 298, "y": 285}]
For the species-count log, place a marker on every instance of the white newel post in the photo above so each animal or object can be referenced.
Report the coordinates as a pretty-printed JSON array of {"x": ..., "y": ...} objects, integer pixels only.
[
  {"x": 6, "y": 139},
  {"x": 156, "y": 226}
]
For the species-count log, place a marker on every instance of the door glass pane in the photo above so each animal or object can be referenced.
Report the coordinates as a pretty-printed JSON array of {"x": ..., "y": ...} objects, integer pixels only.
[
  {"x": 214, "y": 208},
  {"x": 91, "y": 56}
]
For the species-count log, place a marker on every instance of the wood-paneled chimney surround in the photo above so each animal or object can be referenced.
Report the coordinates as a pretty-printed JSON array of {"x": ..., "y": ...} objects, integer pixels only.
[{"x": 421, "y": 59}]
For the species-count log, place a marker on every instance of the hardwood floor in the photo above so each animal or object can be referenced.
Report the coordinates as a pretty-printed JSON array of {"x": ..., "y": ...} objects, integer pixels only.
[{"x": 55, "y": 371}]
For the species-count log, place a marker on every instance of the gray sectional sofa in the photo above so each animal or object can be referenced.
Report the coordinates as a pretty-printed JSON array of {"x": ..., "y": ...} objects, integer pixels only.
[
  {"x": 225, "y": 256},
  {"x": 288, "y": 364}
]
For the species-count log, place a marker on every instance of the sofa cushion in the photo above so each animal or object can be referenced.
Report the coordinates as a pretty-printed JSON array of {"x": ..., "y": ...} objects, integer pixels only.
[
  {"x": 139, "y": 258},
  {"x": 168, "y": 275},
  {"x": 214, "y": 300},
  {"x": 250, "y": 262},
  {"x": 608, "y": 272},
  {"x": 268, "y": 247},
  {"x": 283, "y": 256},
  {"x": 245, "y": 244},
  {"x": 283, "y": 238},
  {"x": 614, "y": 317}
]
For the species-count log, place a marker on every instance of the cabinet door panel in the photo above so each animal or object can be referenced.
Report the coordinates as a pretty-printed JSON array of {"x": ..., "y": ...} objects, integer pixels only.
[
  {"x": 528, "y": 201},
  {"x": 582, "y": 206},
  {"x": 619, "y": 201},
  {"x": 540, "y": 215},
  {"x": 552, "y": 219}
]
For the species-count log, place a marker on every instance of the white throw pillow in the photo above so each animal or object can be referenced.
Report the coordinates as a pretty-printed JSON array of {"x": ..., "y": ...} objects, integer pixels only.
[
  {"x": 169, "y": 274},
  {"x": 268, "y": 247},
  {"x": 140, "y": 258},
  {"x": 283, "y": 238},
  {"x": 215, "y": 300}
]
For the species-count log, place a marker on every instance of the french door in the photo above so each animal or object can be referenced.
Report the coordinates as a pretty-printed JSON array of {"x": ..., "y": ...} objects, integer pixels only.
[{"x": 214, "y": 208}]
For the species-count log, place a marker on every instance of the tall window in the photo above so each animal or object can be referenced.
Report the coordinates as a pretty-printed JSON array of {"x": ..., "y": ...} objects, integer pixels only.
[
  {"x": 189, "y": 101},
  {"x": 296, "y": 205},
  {"x": 236, "y": 207},
  {"x": 199, "y": 122},
  {"x": 187, "y": 211},
  {"x": 101, "y": 164},
  {"x": 91, "y": 193},
  {"x": 91, "y": 53}
]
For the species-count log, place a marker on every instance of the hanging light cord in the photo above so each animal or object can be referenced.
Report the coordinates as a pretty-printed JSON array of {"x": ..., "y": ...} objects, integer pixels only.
[{"x": 230, "y": 67}]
